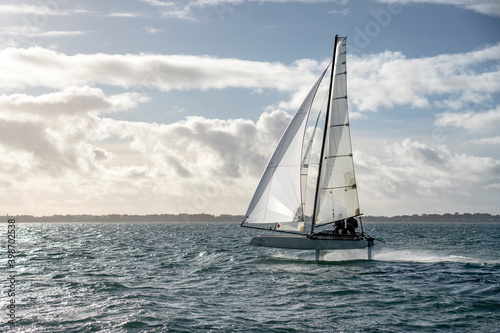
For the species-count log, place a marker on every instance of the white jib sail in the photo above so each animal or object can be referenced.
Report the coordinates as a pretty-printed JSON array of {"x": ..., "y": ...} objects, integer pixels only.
[
  {"x": 337, "y": 196},
  {"x": 278, "y": 195}
]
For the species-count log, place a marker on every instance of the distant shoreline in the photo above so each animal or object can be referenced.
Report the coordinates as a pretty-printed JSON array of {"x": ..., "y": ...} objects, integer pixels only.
[{"x": 208, "y": 218}]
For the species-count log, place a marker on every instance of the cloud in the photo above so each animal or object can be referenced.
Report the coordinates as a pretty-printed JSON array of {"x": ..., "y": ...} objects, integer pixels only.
[
  {"x": 91, "y": 163},
  {"x": 33, "y": 139},
  {"x": 38, "y": 14},
  {"x": 56, "y": 132},
  {"x": 152, "y": 31},
  {"x": 62, "y": 150},
  {"x": 487, "y": 141},
  {"x": 486, "y": 7},
  {"x": 201, "y": 147},
  {"x": 342, "y": 12},
  {"x": 188, "y": 10},
  {"x": 424, "y": 177},
  {"x": 70, "y": 101},
  {"x": 36, "y": 32},
  {"x": 389, "y": 79},
  {"x": 124, "y": 14},
  {"x": 23, "y": 9},
  {"x": 158, "y": 3},
  {"x": 48, "y": 149},
  {"x": 386, "y": 79},
  {"x": 35, "y": 66},
  {"x": 474, "y": 121}
]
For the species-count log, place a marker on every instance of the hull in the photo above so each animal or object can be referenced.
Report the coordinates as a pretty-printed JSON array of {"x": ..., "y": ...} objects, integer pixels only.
[{"x": 300, "y": 242}]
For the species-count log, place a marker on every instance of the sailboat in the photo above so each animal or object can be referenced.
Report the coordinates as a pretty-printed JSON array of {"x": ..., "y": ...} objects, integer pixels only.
[{"x": 279, "y": 202}]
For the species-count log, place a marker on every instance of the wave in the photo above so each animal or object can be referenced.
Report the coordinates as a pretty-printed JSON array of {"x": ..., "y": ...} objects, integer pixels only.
[{"x": 423, "y": 256}]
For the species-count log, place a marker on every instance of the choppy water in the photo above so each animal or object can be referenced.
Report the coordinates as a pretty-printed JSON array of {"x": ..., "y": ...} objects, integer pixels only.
[{"x": 206, "y": 278}]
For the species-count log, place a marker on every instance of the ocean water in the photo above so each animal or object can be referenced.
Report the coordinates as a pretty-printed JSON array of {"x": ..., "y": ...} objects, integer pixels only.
[{"x": 200, "y": 277}]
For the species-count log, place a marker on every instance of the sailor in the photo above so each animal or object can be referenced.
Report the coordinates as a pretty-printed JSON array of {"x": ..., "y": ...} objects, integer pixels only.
[
  {"x": 339, "y": 227},
  {"x": 352, "y": 224}
]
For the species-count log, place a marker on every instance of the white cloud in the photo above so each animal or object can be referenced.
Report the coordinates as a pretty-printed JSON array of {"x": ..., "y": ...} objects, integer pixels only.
[
  {"x": 487, "y": 141},
  {"x": 38, "y": 14},
  {"x": 387, "y": 79},
  {"x": 70, "y": 101},
  {"x": 53, "y": 135},
  {"x": 390, "y": 79},
  {"x": 486, "y": 7},
  {"x": 84, "y": 162},
  {"x": 342, "y": 12},
  {"x": 36, "y": 32},
  {"x": 475, "y": 121},
  {"x": 188, "y": 10},
  {"x": 24, "y": 9},
  {"x": 159, "y": 3},
  {"x": 151, "y": 30},
  {"x": 59, "y": 33},
  {"x": 421, "y": 177},
  {"x": 37, "y": 66},
  {"x": 124, "y": 14},
  {"x": 62, "y": 152}
]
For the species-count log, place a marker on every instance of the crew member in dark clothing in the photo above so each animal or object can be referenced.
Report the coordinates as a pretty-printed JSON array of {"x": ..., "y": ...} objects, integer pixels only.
[
  {"x": 352, "y": 224},
  {"x": 339, "y": 227}
]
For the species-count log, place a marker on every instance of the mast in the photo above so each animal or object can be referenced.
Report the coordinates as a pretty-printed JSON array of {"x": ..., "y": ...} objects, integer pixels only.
[{"x": 324, "y": 134}]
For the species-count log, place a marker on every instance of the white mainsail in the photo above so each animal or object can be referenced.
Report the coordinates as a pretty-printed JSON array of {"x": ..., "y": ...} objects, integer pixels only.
[
  {"x": 278, "y": 196},
  {"x": 337, "y": 196}
]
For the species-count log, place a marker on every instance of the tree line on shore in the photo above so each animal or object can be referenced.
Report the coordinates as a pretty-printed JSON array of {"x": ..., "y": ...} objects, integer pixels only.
[{"x": 456, "y": 217}]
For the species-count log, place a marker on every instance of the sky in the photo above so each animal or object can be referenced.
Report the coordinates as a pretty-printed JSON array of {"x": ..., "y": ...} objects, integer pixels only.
[{"x": 167, "y": 107}]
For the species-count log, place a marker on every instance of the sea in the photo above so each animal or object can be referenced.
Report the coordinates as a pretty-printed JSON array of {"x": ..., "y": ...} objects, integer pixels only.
[{"x": 205, "y": 277}]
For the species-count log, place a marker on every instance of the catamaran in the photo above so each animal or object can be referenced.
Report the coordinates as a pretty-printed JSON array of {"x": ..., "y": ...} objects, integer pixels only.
[{"x": 279, "y": 202}]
